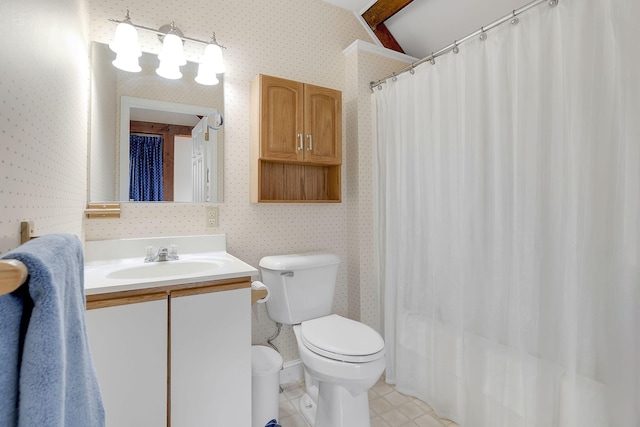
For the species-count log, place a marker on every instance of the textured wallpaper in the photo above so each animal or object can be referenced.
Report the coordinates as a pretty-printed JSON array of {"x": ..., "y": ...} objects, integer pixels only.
[
  {"x": 363, "y": 65},
  {"x": 44, "y": 88},
  {"x": 44, "y": 94},
  {"x": 297, "y": 40},
  {"x": 302, "y": 41}
]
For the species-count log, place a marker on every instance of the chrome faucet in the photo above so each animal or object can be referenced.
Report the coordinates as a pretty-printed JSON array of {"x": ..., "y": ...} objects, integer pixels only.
[{"x": 163, "y": 254}]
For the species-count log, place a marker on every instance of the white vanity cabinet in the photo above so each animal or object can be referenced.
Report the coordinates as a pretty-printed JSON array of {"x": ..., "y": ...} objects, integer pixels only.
[
  {"x": 211, "y": 359},
  {"x": 176, "y": 355},
  {"x": 129, "y": 350}
]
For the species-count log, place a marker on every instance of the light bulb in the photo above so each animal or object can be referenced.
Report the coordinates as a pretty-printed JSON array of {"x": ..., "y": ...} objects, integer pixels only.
[
  {"x": 127, "y": 62},
  {"x": 206, "y": 75},
  {"x": 172, "y": 50},
  {"x": 126, "y": 40},
  {"x": 169, "y": 70},
  {"x": 213, "y": 56}
]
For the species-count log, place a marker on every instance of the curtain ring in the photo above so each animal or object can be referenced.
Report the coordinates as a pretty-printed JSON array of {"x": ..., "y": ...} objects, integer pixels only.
[
  {"x": 553, "y": 3},
  {"x": 433, "y": 59},
  {"x": 412, "y": 71},
  {"x": 455, "y": 47},
  {"x": 514, "y": 20},
  {"x": 379, "y": 86},
  {"x": 483, "y": 35},
  {"x": 394, "y": 77}
]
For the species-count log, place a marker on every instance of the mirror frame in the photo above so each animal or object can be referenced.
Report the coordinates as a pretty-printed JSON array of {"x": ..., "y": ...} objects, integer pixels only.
[{"x": 128, "y": 102}]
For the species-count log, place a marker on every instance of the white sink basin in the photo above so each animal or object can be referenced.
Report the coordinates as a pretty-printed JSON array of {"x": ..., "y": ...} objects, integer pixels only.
[
  {"x": 118, "y": 265},
  {"x": 162, "y": 269}
]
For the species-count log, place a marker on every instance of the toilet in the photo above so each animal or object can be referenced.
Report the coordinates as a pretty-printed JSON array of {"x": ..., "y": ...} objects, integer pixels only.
[{"x": 342, "y": 358}]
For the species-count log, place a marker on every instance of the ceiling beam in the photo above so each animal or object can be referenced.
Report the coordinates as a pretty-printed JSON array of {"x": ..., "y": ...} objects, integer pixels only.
[
  {"x": 379, "y": 12},
  {"x": 387, "y": 39},
  {"x": 382, "y": 10}
]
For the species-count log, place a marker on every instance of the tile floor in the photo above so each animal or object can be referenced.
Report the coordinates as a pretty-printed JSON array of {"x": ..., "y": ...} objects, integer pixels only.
[{"x": 388, "y": 408}]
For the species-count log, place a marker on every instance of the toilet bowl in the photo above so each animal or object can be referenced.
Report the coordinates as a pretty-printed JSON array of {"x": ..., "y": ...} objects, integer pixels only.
[
  {"x": 342, "y": 358},
  {"x": 336, "y": 391}
]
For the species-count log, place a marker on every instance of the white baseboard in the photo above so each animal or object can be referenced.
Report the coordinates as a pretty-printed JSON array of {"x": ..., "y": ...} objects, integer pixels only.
[{"x": 292, "y": 371}]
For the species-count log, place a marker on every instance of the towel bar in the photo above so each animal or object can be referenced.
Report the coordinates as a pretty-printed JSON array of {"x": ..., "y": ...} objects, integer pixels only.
[
  {"x": 13, "y": 274},
  {"x": 26, "y": 232}
]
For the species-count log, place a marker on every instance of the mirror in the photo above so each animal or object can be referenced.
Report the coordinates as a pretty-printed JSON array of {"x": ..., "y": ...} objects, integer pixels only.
[{"x": 175, "y": 111}]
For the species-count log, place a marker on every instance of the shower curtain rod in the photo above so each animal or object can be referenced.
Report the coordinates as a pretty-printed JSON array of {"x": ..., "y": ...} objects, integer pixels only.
[{"x": 454, "y": 46}]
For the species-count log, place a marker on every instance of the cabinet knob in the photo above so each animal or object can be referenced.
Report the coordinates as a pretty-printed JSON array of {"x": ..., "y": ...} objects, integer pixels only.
[{"x": 310, "y": 145}]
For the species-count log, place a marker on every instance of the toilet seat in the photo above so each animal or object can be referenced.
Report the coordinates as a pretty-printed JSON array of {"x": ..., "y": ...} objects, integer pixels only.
[{"x": 339, "y": 338}]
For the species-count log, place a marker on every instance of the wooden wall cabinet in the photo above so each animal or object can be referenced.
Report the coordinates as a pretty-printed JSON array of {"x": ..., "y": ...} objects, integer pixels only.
[{"x": 296, "y": 141}]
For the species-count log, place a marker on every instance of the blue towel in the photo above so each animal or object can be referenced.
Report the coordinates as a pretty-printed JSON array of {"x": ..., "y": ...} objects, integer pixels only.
[
  {"x": 10, "y": 342},
  {"x": 49, "y": 380}
]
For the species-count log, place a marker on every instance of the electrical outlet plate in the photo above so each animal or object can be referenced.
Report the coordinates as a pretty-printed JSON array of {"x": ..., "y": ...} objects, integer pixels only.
[{"x": 213, "y": 219}]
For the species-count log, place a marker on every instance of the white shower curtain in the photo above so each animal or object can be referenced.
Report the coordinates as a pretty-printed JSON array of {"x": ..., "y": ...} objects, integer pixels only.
[{"x": 509, "y": 222}]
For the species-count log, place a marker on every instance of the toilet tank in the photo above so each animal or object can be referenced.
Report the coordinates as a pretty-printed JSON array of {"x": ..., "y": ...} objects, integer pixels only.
[{"x": 301, "y": 286}]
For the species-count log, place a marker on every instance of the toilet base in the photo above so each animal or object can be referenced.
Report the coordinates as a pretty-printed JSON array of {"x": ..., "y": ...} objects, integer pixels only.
[
  {"x": 307, "y": 408},
  {"x": 336, "y": 407}
]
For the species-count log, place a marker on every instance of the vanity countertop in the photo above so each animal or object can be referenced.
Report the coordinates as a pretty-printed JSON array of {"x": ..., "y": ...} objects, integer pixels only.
[{"x": 110, "y": 266}]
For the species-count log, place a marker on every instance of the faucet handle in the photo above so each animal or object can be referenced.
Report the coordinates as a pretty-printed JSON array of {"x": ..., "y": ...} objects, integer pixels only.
[
  {"x": 150, "y": 253},
  {"x": 173, "y": 252}
]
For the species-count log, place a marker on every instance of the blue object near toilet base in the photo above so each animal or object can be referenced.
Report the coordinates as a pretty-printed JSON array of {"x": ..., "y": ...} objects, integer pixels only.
[{"x": 273, "y": 423}]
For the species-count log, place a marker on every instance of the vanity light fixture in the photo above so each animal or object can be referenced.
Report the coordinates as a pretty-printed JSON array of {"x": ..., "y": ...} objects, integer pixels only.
[
  {"x": 211, "y": 63},
  {"x": 171, "y": 57},
  {"x": 125, "y": 45}
]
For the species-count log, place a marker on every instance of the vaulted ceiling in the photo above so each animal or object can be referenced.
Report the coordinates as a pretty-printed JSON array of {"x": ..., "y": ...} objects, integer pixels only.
[{"x": 420, "y": 27}]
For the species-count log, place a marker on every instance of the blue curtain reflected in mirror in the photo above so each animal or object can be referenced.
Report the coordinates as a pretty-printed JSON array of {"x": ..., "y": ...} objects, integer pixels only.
[{"x": 145, "y": 168}]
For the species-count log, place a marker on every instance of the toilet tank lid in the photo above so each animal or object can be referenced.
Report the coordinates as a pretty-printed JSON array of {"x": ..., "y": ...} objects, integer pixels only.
[{"x": 298, "y": 261}]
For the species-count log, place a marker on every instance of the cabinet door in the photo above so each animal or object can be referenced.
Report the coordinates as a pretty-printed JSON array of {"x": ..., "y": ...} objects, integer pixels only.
[
  {"x": 322, "y": 125},
  {"x": 211, "y": 359},
  {"x": 129, "y": 350},
  {"x": 281, "y": 119}
]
